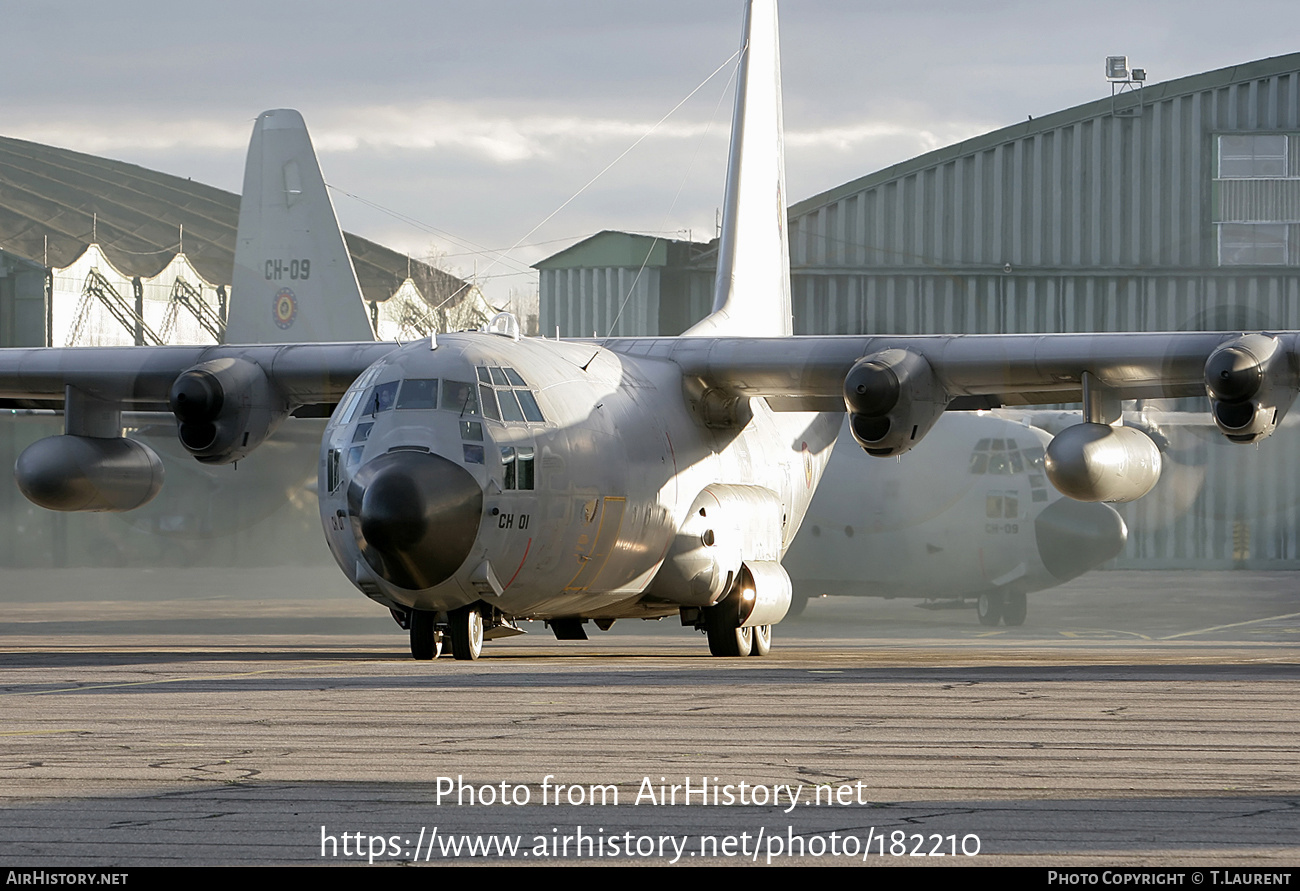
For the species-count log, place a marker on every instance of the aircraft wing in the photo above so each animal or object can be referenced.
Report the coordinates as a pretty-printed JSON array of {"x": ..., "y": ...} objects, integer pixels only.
[
  {"x": 895, "y": 388},
  {"x": 793, "y": 373},
  {"x": 142, "y": 377},
  {"x": 808, "y": 373}
]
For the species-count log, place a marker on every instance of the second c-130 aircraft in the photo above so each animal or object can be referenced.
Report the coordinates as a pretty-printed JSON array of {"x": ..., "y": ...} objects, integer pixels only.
[{"x": 471, "y": 480}]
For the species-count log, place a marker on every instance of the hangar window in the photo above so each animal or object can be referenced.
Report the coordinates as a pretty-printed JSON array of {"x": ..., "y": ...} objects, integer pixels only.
[
  {"x": 1252, "y": 155},
  {"x": 1253, "y": 244},
  {"x": 1257, "y": 199}
]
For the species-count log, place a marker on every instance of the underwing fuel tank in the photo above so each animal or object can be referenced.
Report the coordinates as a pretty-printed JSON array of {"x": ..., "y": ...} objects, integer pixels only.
[
  {"x": 87, "y": 473},
  {"x": 1097, "y": 462}
]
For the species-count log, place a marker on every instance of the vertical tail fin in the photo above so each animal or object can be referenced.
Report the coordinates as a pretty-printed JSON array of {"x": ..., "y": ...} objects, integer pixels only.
[
  {"x": 751, "y": 296},
  {"x": 293, "y": 280}
]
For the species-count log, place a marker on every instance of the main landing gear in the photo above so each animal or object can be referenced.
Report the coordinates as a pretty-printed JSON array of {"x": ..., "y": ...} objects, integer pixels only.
[
  {"x": 726, "y": 639},
  {"x": 464, "y": 631},
  {"x": 1009, "y": 607}
]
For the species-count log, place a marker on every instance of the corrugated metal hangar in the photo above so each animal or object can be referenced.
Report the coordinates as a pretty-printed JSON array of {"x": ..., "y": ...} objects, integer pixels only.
[
  {"x": 99, "y": 252},
  {"x": 1173, "y": 206}
]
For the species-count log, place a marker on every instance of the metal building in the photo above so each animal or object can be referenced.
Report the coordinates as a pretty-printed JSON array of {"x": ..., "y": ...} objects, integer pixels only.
[
  {"x": 1175, "y": 206},
  {"x": 95, "y": 252}
]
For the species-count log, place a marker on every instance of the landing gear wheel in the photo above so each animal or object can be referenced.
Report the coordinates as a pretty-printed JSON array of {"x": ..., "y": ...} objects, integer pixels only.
[
  {"x": 426, "y": 642},
  {"x": 1015, "y": 609},
  {"x": 725, "y": 639},
  {"x": 762, "y": 640},
  {"x": 466, "y": 628},
  {"x": 989, "y": 607}
]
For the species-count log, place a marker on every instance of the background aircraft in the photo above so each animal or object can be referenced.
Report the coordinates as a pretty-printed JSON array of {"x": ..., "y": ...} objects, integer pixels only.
[{"x": 969, "y": 514}]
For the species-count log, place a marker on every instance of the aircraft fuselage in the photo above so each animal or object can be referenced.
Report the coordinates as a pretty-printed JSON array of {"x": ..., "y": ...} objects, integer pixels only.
[{"x": 554, "y": 480}]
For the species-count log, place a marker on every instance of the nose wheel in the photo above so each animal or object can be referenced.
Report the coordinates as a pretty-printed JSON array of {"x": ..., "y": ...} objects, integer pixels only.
[
  {"x": 426, "y": 640},
  {"x": 465, "y": 627}
]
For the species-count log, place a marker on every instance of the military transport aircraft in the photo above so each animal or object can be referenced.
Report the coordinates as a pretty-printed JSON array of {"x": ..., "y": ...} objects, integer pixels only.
[
  {"x": 470, "y": 480},
  {"x": 967, "y": 515}
]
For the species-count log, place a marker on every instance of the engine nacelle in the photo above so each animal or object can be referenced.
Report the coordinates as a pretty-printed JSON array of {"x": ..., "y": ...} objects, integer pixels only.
[
  {"x": 226, "y": 408},
  {"x": 893, "y": 399},
  {"x": 726, "y": 526},
  {"x": 86, "y": 473},
  {"x": 1096, "y": 462},
  {"x": 1250, "y": 385}
]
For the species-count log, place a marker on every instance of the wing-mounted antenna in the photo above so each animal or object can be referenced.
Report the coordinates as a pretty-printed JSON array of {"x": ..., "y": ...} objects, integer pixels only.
[
  {"x": 293, "y": 281},
  {"x": 751, "y": 295}
]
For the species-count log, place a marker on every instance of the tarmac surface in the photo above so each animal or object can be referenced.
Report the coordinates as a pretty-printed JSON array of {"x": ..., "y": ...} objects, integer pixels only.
[{"x": 273, "y": 716}]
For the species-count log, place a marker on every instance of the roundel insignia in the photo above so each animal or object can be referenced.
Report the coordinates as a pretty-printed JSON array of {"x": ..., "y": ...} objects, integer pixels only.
[{"x": 284, "y": 307}]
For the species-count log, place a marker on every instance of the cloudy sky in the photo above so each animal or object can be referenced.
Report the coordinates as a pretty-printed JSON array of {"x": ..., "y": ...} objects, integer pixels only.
[{"x": 454, "y": 129}]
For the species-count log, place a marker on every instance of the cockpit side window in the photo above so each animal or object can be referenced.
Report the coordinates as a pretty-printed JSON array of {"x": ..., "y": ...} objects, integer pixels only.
[
  {"x": 489, "y": 403},
  {"x": 504, "y": 387},
  {"x": 458, "y": 396},
  {"x": 381, "y": 398},
  {"x": 529, "y": 404},
  {"x": 509, "y": 406}
]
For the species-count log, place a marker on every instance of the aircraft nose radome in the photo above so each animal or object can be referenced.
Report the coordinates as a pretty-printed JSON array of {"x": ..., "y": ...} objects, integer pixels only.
[
  {"x": 1076, "y": 536},
  {"x": 419, "y": 515}
]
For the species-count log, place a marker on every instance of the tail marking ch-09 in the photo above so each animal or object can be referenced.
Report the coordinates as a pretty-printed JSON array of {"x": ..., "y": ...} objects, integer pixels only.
[{"x": 476, "y": 479}]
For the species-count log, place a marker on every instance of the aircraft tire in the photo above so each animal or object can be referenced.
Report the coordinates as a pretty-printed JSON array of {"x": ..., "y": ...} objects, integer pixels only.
[
  {"x": 426, "y": 642},
  {"x": 466, "y": 628},
  {"x": 989, "y": 607},
  {"x": 725, "y": 639},
  {"x": 1015, "y": 609},
  {"x": 762, "y": 640}
]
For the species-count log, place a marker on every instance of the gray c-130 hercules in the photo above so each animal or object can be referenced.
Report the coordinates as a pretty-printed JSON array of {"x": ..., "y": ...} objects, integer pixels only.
[{"x": 471, "y": 480}]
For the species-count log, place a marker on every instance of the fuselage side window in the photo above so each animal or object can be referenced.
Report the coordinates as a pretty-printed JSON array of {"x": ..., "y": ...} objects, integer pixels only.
[
  {"x": 524, "y": 467},
  {"x": 517, "y": 468},
  {"x": 332, "y": 470},
  {"x": 508, "y": 467}
]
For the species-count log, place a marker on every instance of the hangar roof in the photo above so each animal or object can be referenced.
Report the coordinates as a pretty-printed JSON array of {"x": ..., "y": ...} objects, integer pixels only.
[
  {"x": 1148, "y": 95},
  {"x": 135, "y": 214}
]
